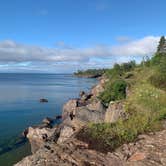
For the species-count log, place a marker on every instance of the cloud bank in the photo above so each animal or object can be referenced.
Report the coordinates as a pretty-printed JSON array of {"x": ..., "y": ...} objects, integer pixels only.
[{"x": 22, "y": 57}]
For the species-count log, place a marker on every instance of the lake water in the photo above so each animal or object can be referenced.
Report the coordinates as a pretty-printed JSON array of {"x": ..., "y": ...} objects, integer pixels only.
[{"x": 20, "y": 106}]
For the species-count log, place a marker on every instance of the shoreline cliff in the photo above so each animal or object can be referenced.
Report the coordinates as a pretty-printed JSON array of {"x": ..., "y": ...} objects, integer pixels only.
[{"x": 60, "y": 145}]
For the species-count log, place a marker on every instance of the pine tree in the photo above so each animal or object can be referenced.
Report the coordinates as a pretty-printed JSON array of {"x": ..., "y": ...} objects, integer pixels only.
[{"x": 162, "y": 42}]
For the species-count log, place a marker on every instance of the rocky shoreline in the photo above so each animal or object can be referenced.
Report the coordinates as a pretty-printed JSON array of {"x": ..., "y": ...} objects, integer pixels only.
[{"x": 58, "y": 145}]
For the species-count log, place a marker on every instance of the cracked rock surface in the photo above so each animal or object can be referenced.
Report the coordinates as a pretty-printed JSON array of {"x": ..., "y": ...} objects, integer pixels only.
[{"x": 148, "y": 150}]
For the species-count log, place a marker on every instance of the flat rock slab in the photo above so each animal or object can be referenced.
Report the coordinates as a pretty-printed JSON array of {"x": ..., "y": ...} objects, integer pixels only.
[{"x": 150, "y": 150}]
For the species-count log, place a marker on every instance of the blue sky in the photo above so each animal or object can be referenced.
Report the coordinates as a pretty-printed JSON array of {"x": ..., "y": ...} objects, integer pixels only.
[{"x": 66, "y": 35}]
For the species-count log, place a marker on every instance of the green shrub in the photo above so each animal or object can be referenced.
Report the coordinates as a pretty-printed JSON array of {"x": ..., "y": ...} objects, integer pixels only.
[
  {"x": 120, "y": 69},
  {"x": 158, "y": 59},
  {"x": 158, "y": 80},
  {"x": 113, "y": 91}
]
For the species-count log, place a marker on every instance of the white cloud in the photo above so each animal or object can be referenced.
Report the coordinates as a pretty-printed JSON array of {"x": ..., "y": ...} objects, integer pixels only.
[
  {"x": 141, "y": 47},
  {"x": 16, "y": 55}
]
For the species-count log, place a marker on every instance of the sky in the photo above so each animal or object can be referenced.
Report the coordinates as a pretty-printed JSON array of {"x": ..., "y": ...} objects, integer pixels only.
[{"x": 62, "y": 36}]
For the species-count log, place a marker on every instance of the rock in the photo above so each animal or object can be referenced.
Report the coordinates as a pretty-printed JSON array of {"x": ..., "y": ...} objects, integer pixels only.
[
  {"x": 25, "y": 132},
  {"x": 47, "y": 120},
  {"x": 86, "y": 115},
  {"x": 43, "y": 125},
  {"x": 86, "y": 97},
  {"x": 99, "y": 87},
  {"x": 58, "y": 117},
  {"x": 37, "y": 137},
  {"x": 113, "y": 160},
  {"x": 97, "y": 90},
  {"x": 43, "y": 100},
  {"x": 82, "y": 115},
  {"x": 70, "y": 153},
  {"x": 69, "y": 107},
  {"x": 81, "y": 93},
  {"x": 96, "y": 105},
  {"x": 77, "y": 153},
  {"x": 65, "y": 134},
  {"x": 114, "y": 112},
  {"x": 137, "y": 156}
]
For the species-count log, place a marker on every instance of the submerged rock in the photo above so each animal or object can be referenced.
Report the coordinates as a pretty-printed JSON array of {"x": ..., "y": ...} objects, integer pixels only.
[
  {"x": 58, "y": 117},
  {"x": 25, "y": 132},
  {"x": 47, "y": 120},
  {"x": 43, "y": 100}
]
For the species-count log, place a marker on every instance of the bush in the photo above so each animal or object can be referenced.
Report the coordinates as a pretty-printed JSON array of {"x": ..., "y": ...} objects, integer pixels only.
[
  {"x": 158, "y": 59},
  {"x": 158, "y": 79},
  {"x": 119, "y": 69},
  {"x": 113, "y": 91}
]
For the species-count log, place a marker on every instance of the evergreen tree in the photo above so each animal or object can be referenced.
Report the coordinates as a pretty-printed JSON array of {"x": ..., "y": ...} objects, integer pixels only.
[{"x": 161, "y": 43}]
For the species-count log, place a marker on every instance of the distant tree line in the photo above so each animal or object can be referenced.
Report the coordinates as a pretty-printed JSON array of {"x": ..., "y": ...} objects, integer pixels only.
[{"x": 90, "y": 72}]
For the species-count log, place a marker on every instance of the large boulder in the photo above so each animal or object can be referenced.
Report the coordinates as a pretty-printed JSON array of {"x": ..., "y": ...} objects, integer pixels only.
[
  {"x": 38, "y": 136},
  {"x": 86, "y": 115},
  {"x": 94, "y": 112},
  {"x": 96, "y": 90},
  {"x": 43, "y": 100},
  {"x": 65, "y": 134},
  {"x": 114, "y": 112},
  {"x": 69, "y": 107},
  {"x": 47, "y": 120},
  {"x": 96, "y": 105}
]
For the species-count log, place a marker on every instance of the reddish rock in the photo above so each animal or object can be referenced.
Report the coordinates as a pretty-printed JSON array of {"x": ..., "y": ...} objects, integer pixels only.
[{"x": 137, "y": 157}]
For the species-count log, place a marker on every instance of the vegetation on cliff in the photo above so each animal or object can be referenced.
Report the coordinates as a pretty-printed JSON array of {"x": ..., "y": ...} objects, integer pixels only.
[
  {"x": 115, "y": 88},
  {"x": 145, "y": 106},
  {"x": 90, "y": 73}
]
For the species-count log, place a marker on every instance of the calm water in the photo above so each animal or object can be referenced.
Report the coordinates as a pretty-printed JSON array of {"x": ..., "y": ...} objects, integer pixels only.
[{"x": 20, "y": 106}]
